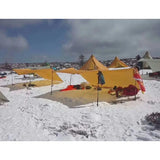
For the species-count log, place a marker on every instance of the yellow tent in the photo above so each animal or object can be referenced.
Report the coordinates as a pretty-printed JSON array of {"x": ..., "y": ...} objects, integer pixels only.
[
  {"x": 117, "y": 63},
  {"x": 23, "y": 71},
  {"x": 119, "y": 78},
  {"x": 93, "y": 64}
]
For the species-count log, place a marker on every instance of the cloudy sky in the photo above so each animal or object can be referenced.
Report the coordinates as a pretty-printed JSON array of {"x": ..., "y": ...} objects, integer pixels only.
[{"x": 64, "y": 40}]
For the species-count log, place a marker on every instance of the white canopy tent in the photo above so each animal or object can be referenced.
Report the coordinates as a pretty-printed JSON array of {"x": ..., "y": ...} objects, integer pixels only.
[{"x": 153, "y": 63}]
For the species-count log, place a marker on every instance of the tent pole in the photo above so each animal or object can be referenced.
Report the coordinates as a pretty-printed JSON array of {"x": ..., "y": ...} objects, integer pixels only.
[
  {"x": 135, "y": 90},
  {"x": 30, "y": 78},
  {"x": 97, "y": 95},
  {"x": 142, "y": 71},
  {"x": 98, "y": 92},
  {"x": 70, "y": 79},
  {"x": 12, "y": 78},
  {"x": 52, "y": 82}
]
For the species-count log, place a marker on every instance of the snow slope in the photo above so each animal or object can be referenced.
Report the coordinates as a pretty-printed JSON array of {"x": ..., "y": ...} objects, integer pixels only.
[{"x": 29, "y": 118}]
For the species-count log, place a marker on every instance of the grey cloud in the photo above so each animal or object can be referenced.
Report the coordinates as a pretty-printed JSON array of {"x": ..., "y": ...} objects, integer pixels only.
[
  {"x": 18, "y": 23},
  {"x": 18, "y": 43},
  {"x": 108, "y": 38},
  {"x": 12, "y": 44}
]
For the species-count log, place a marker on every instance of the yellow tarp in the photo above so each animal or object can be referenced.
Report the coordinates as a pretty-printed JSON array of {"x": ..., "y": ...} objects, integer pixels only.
[
  {"x": 47, "y": 74},
  {"x": 75, "y": 98},
  {"x": 93, "y": 64},
  {"x": 70, "y": 70},
  {"x": 117, "y": 63},
  {"x": 23, "y": 71},
  {"x": 44, "y": 83},
  {"x": 40, "y": 83},
  {"x": 44, "y": 73},
  {"x": 119, "y": 78}
]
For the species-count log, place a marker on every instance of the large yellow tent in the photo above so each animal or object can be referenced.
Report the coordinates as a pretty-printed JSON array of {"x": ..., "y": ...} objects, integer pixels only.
[
  {"x": 119, "y": 78},
  {"x": 93, "y": 64},
  {"x": 117, "y": 63}
]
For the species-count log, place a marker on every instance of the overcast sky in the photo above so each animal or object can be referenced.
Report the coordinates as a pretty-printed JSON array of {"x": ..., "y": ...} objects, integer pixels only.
[{"x": 64, "y": 40}]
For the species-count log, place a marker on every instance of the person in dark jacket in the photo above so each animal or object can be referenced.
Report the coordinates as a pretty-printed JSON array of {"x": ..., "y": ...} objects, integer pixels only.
[{"x": 100, "y": 78}]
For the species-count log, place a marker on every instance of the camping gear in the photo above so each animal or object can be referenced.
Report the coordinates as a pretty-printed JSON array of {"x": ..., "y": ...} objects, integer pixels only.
[
  {"x": 85, "y": 85},
  {"x": 131, "y": 90},
  {"x": 154, "y": 74},
  {"x": 112, "y": 91},
  {"x": 117, "y": 63},
  {"x": 88, "y": 87},
  {"x": 3, "y": 73},
  {"x": 119, "y": 91},
  {"x": 2, "y": 77},
  {"x": 93, "y": 64},
  {"x": 72, "y": 87}
]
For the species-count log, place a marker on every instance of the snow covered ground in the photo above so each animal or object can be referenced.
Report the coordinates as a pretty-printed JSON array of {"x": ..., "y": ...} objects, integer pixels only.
[
  {"x": 14, "y": 78},
  {"x": 29, "y": 118}
]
